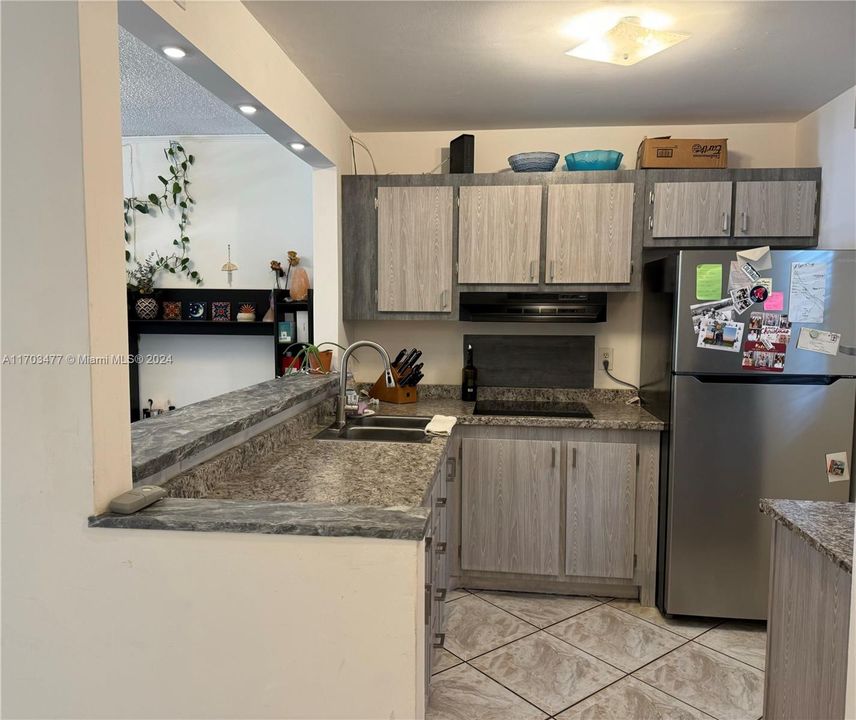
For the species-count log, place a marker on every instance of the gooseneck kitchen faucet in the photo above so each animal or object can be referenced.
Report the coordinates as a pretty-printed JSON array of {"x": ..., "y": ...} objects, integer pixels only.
[{"x": 343, "y": 375}]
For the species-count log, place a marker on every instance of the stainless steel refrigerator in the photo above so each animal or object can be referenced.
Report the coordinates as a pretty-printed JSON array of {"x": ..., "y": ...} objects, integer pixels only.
[{"x": 740, "y": 428}]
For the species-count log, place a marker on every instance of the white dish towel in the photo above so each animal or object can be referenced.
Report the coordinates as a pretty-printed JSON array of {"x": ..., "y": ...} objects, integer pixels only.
[{"x": 441, "y": 425}]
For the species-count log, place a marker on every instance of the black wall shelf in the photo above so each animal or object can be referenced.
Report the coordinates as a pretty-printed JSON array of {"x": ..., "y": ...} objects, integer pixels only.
[{"x": 285, "y": 309}]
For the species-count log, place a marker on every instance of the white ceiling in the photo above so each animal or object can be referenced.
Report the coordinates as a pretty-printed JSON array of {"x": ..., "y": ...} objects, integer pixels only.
[
  {"x": 477, "y": 65},
  {"x": 159, "y": 99}
]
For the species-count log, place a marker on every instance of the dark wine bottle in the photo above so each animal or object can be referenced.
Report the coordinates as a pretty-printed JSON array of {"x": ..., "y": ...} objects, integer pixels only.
[{"x": 469, "y": 378}]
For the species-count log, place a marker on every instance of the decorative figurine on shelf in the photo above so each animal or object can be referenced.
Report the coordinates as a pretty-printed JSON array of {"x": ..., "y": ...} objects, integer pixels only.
[
  {"x": 229, "y": 267},
  {"x": 300, "y": 281},
  {"x": 247, "y": 312}
]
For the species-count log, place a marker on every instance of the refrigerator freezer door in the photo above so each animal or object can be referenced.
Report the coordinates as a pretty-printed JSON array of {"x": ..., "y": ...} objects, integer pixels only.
[
  {"x": 839, "y": 313},
  {"x": 732, "y": 444}
]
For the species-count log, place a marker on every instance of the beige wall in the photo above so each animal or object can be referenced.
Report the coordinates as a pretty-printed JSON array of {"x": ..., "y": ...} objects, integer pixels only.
[
  {"x": 749, "y": 145},
  {"x": 827, "y": 138},
  {"x": 143, "y": 624}
]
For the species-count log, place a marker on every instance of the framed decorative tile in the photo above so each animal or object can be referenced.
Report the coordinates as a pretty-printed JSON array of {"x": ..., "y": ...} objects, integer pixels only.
[
  {"x": 221, "y": 310},
  {"x": 196, "y": 310},
  {"x": 172, "y": 309}
]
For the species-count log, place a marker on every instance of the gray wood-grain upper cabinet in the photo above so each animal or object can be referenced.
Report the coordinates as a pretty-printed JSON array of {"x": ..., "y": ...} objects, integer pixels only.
[
  {"x": 414, "y": 249},
  {"x": 777, "y": 208},
  {"x": 510, "y": 506},
  {"x": 499, "y": 234},
  {"x": 589, "y": 233},
  {"x": 601, "y": 509},
  {"x": 691, "y": 209}
]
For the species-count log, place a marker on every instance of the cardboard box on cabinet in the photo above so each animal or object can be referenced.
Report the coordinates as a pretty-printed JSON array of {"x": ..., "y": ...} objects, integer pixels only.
[{"x": 668, "y": 152}]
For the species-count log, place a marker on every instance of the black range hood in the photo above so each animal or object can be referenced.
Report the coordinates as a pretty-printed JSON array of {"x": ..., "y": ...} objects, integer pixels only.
[{"x": 541, "y": 307}]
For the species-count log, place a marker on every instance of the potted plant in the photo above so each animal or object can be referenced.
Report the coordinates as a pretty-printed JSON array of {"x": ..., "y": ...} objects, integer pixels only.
[
  {"x": 142, "y": 281},
  {"x": 310, "y": 358}
]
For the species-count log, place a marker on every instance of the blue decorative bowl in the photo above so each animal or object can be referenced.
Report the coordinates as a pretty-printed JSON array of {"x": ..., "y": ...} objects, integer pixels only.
[
  {"x": 534, "y": 161},
  {"x": 594, "y": 160}
]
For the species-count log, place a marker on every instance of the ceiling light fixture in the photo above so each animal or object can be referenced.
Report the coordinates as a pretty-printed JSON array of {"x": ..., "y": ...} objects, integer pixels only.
[
  {"x": 297, "y": 146},
  {"x": 247, "y": 109},
  {"x": 176, "y": 53},
  {"x": 626, "y": 43}
]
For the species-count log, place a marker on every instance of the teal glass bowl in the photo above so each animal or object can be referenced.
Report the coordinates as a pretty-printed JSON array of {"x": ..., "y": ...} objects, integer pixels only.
[{"x": 594, "y": 160}]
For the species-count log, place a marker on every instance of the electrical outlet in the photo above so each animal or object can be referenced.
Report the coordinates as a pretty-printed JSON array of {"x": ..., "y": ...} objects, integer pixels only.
[{"x": 604, "y": 353}]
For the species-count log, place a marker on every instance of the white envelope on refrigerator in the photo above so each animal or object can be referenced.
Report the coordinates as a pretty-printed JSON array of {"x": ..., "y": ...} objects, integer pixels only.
[{"x": 758, "y": 258}]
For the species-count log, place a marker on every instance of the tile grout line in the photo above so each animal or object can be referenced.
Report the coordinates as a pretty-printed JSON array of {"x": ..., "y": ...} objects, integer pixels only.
[
  {"x": 713, "y": 627},
  {"x": 599, "y": 603},
  {"x": 539, "y": 709}
]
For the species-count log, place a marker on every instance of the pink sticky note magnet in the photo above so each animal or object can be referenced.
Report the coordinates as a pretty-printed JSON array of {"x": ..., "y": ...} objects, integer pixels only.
[{"x": 776, "y": 301}]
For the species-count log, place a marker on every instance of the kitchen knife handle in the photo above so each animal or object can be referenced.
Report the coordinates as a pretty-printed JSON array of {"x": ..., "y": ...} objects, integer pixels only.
[
  {"x": 532, "y": 270},
  {"x": 744, "y": 221}
]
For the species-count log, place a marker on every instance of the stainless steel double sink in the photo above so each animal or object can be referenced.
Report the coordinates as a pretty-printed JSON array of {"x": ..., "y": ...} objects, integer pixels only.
[{"x": 380, "y": 428}]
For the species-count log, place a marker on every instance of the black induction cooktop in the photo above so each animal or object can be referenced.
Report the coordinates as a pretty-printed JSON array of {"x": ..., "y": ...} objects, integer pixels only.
[{"x": 532, "y": 408}]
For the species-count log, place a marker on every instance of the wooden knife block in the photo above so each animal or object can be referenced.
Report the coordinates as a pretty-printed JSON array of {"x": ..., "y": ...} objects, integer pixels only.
[{"x": 397, "y": 394}]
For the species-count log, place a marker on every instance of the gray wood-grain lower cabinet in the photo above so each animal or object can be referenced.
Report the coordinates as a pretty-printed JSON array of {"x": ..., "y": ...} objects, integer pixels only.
[
  {"x": 589, "y": 233},
  {"x": 499, "y": 234},
  {"x": 776, "y": 208},
  {"x": 510, "y": 509},
  {"x": 808, "y": 626},
  {"x": 601, "y": 509},
  {"x": 691, "y": 209},
  {"x": 414, "y": 249},
  {"x": 557, "y": 510}
]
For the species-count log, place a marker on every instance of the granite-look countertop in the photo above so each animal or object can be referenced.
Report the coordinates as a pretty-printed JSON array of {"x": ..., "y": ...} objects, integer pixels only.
[
  {"x": 284, "y": 481},
  {"x": 162, "y": 441},
  {"x": 608, "y": 415},
  {"x": 336, "y": 472},
  {"x": 826, "y": 526},
  {"x": 273, "y": 518}
]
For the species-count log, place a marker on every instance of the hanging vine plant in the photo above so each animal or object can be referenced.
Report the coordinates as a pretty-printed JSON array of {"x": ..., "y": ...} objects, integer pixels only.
[{"x": 174, "y": 196}]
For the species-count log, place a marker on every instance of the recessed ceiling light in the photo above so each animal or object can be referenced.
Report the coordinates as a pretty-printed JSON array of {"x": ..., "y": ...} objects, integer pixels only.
[
  {"x": 247, "y": 109},
  {"x": 626, "y": 43},
  {"x": 297, "y": 146},
  {"x": 176, "y": 53}
]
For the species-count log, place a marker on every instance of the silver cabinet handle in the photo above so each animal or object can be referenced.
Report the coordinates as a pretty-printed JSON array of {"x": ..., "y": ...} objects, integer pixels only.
[
  {"x": 553, "y": 457},
  {"x": 444, "y": 298},
  {"x": 427, "y": 603},
  {"x": 573, "y": 457},
  {"x": 440, "y": 502},
  {"x": 744, "y": 222},
  {"x": 552, "y": 269},
  {"x": 451, "y": 469},
  {"x": 439, "y": 640},
  {"x": 725, "y": 222},
  {"x": 440, "y": 548},
  {"x": 440, "y": 595},
  {"x": 650, "y": 222},
  {"x": 375, "y": 298},
  {"x": 532, "y": 270}
]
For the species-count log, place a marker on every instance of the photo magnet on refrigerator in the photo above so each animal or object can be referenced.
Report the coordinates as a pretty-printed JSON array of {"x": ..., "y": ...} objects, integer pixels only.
[{"x": 837, "y": 468}]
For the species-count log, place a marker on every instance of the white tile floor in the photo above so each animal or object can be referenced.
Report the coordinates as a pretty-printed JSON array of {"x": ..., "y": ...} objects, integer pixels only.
[{"x": 515, "y": 656}]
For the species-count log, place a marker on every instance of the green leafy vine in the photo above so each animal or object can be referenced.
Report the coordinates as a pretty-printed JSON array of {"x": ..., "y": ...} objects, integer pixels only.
[{"x": 174, "y": 196}]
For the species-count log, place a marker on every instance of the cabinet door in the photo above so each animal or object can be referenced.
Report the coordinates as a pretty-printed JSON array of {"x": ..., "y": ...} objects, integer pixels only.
[
  {"x": 589, "y": 233},
  {"x": 510, "y": 510},
  {"x": 414, "y": 253},
  {"x": 692, "y": 209},
  {"x": 601, "y": 509},
  {"x": 782, "y": 208},
  {"x": 499, "y": 234}
]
